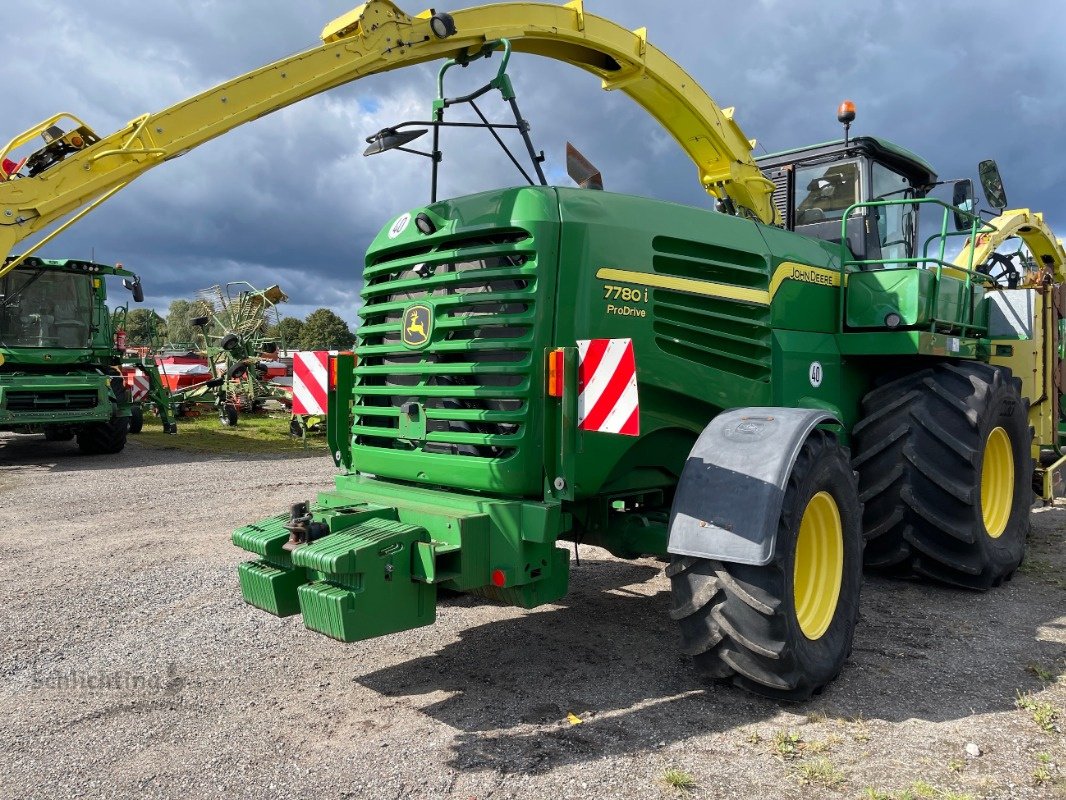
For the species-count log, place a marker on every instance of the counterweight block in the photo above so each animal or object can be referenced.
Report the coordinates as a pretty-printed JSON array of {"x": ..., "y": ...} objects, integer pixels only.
[{"x": 365, "y": 585}]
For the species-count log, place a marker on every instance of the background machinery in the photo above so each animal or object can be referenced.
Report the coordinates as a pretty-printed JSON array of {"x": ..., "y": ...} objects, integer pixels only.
[
  {"x": 234, "y": 337},
  {"x": 760, "y": 393},
  {"x": 61, "y": 355}
]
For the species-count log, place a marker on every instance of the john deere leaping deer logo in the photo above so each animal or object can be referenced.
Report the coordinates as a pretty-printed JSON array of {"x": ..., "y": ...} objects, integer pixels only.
[{"x": 417, "y": 325}]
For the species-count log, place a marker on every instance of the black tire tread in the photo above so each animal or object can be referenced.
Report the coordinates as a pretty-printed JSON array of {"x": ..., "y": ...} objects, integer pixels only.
[
  {"x": 732, "y": 618},
  {"x": 136, "y": 423},
  {"x": 918, "y": 451},
  {"x": 103, "y": 438}
]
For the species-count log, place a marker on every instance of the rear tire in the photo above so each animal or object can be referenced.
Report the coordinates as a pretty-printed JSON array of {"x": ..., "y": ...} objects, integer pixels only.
[
  {"x": 945, "y": 466},
  {"x": 103, "y": 438},
  {"x": 54, "y": 434},
  {"x": 782, "y": 630},
  {"x": 136, "y": 419}
]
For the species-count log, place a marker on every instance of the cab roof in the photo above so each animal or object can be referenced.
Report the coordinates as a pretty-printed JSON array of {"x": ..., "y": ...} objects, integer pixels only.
[
  {"x": 915, "y": 168},
  {"x": 73, "y": 265}
]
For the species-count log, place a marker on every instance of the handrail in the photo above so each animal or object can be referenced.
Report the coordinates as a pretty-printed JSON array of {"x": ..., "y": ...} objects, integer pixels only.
[
  {"x": 977, "y": 226},
  {"x": 37, "y": 130}
]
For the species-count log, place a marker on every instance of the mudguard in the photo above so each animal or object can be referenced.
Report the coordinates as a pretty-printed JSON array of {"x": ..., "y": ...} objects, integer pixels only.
[{"x": 729, "y": 498}]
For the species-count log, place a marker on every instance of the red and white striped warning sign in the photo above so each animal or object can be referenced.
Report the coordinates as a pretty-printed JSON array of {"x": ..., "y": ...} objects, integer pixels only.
[
  {"x": 310, "y": 379},
  {"x": 607, "y": 387},
  {"x": 137, "y": 382}
]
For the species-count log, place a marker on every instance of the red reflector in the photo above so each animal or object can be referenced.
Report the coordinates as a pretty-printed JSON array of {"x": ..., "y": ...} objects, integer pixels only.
[
  {"x": 555, "y": 372},
  {"x": 499, "y": 578}
]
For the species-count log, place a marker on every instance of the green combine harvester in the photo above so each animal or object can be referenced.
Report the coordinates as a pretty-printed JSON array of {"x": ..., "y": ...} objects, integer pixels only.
[
  {"x": 758, "y": 403},
  {"x": 60, "y": 355}
]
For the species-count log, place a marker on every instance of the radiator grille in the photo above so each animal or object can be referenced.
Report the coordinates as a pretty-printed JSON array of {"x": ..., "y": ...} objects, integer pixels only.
[
  {"x": 470, "y": 383},
  {"x": 782, "y": 195},
  {"x": 51, "y": 400},
  {"x": 716, "y": 332}
]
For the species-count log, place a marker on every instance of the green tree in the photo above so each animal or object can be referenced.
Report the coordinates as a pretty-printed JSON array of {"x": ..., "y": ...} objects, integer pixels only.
[
  {"x": 179, "y": 319},
  {"x": 289, "y": 330},
  {"x": 324, "y": 330},
  {"x": 142, "y": 324}
]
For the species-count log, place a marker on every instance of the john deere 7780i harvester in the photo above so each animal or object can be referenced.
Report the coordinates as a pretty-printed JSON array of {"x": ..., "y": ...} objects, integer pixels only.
[{"x": 759, "y": 393}]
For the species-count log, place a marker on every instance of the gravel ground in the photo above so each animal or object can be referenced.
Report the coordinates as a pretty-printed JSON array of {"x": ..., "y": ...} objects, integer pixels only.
[{"x": 131, "y": 668}]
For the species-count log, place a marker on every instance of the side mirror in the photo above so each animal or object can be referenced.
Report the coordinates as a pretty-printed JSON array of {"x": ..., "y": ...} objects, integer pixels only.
[
  {"x": 992, "y": 184},
  {"x": 199, "y": 322},
  {"x": 135, "y": 287},
  {"x": 962, "y": 199}
]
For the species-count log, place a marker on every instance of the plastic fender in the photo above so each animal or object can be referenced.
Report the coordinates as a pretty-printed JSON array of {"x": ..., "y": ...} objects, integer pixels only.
[{"x": 729, "y": 497}]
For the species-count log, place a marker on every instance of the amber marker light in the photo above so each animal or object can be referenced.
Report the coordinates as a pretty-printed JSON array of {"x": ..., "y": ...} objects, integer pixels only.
[{"x": 555, "y": 372}]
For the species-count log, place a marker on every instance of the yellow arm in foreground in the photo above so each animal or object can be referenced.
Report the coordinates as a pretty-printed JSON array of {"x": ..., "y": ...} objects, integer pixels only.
[
  {"x": 1030, "y": 227},
  {"x": 377, "y": 37}
]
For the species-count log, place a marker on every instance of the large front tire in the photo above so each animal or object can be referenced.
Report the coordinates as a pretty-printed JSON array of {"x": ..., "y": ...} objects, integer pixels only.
[
  {"x": 103, "y": 438},
  {"x": 782, "y": 630},
  {"x": 945, "y": 464}
]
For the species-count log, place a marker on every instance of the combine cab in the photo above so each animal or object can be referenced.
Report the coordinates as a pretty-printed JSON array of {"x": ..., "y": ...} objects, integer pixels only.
[{"x": 61, "y": 356}]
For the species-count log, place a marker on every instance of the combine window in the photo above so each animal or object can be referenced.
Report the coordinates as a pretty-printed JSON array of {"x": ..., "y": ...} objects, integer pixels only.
[
  {"x": 824, "y": 192},
  {"x": 894, "y": 223},
  {"x": 45, "y": 308}
]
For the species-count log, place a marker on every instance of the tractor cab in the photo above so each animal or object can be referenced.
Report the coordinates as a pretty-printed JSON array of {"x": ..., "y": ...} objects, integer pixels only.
[
  {"x": 865, "y": 194},
  {"x": 815, "y": 186}
]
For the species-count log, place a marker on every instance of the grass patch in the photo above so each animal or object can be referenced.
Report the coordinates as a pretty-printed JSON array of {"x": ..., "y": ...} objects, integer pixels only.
[
  {"x": 819, "y": 772},
  {"x": 679, "y": 779},
  {"x": 1041, "y": 673},
  {"x": 823, "y": 745},
  {"x": 254, "y": 433},
  {"x": 1042, "y": 771},
  {"x": 924, "y": 790},
  {"x": 919, "y": 790},
  {"x": 1043, "y": 571},
  {"x": 1043, "y": 713},
  {"x": 787, "y": 744}
]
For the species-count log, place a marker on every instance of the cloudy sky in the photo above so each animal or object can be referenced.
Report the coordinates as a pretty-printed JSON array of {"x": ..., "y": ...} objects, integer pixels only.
[{"x": 290, "y": 199}]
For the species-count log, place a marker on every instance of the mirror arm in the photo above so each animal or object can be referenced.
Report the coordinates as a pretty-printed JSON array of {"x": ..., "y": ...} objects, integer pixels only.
[{"x": 415, "y": 152}]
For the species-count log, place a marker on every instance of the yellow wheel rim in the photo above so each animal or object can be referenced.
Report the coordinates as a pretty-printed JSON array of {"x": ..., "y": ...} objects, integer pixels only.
[
  {"x": 819, "y": 565},
  {"x": 997, "y": 482}
]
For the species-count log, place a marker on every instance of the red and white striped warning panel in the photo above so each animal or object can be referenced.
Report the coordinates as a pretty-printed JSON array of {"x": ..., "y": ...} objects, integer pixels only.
[
  {"x": 137, "y": 382},
  {"x": 607, "y": 387},
  {"x": 310, "y": 381}
]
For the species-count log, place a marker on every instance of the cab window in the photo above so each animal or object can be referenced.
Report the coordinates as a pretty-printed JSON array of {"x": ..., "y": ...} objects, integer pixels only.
[
  {"x": 895, "y": 222},
  {"x": 45, "y": 308},
  {"x": 825, "y": 192}
]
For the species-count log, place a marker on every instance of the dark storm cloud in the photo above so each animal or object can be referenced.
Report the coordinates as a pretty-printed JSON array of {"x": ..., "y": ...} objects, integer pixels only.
[{"x": 289, "y": 199}]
